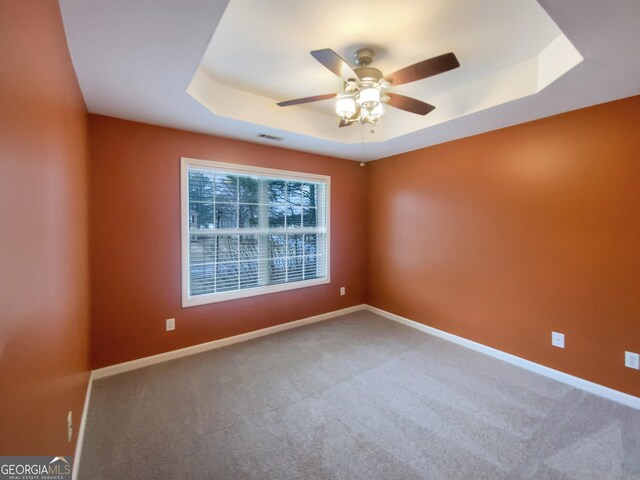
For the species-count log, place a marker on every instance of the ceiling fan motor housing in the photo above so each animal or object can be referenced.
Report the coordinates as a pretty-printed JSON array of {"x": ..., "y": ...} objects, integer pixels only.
[
  {"x": 363, "y": 59},
  {"x": 369, "y": 73}
]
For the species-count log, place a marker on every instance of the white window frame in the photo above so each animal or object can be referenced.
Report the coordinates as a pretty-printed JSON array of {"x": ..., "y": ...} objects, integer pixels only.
[{"x": 192, "y": 301}]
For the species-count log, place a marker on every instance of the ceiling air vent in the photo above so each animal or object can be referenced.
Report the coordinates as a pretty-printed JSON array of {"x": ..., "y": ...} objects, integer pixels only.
[{"x": 270, "y": 137}]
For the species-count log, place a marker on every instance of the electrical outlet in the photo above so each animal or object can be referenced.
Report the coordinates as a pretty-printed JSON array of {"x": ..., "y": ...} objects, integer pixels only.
[
  {"x": 69, "y": 426},
  {"x": 557, "y": 339},
  {"x": 632, "y": 360},
  {"x": 170, "y": 324},
  {"x": 343, "y": 290}
]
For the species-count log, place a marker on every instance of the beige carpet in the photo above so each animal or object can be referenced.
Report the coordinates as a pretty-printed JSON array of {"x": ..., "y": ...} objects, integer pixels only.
[{"x": 356, "y": 397}]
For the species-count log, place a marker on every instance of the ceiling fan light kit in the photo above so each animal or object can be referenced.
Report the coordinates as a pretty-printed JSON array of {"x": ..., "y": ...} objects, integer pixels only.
[
  {"x": 346, "y": 106},
  {"x": 365, "y": 87}
]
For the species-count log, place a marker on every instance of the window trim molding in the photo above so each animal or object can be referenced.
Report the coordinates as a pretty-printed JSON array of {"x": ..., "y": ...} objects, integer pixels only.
[{"x": 187, "y": 299}]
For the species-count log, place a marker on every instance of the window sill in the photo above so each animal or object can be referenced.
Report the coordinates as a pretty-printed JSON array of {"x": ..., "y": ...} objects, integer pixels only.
[{"x": 189, "y": 301}]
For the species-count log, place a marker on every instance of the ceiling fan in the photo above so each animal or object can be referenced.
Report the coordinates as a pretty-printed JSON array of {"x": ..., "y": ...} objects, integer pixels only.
[{"x": 365, "y": 87}]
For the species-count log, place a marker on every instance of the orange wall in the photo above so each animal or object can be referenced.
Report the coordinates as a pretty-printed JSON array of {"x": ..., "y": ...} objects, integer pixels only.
[
  {"x": 499, "y": 238},
  {"x": 135, "y": 241},
  {"x": 503, "y": 237},
  {"x": 43, "y": 247}
]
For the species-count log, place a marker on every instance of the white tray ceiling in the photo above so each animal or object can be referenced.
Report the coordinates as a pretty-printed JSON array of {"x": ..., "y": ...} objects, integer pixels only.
[{"x": 136, "y": 59}]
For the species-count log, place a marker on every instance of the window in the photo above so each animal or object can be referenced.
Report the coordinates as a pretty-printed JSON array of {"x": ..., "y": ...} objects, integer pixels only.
[{"x": 249, "y": 231}]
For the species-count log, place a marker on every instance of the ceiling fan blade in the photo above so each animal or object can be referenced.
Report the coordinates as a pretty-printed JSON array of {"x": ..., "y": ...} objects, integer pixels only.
[
  {"x": 424, "y": 69},
  {"x": 409, "y": 104},
  {"x": 315, "y": 98},
  {"x": 335, "y": 63}
]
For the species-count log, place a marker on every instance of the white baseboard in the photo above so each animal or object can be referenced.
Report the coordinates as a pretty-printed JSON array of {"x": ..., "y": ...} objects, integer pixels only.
[
  {"x": 582, "y": 384},
  {"x": 223, "y": 342},
  {"x": 83, "y": 422}
]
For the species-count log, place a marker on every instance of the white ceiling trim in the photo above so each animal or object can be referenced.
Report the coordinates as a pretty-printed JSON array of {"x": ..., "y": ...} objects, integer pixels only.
[{"x": 516, "y": 81}]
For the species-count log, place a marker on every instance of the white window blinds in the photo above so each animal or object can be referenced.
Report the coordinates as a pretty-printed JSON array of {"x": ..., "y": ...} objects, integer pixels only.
[{"x": 251, "y": 231}]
